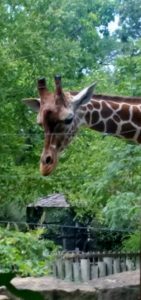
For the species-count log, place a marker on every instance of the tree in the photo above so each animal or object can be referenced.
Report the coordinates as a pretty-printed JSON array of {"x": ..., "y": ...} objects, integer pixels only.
[
  {"x": 70, "y": 37},
  {"x": 130, "y": 23}
]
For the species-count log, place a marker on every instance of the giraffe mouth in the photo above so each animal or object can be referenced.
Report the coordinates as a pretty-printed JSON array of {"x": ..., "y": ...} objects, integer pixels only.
[
  {"x": 48, "y": 163},
  {"x": 46, "y": 170}
]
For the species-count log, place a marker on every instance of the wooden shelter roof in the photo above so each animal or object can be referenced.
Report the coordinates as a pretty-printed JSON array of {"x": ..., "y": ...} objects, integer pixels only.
[{"x": 54, "y": 200}]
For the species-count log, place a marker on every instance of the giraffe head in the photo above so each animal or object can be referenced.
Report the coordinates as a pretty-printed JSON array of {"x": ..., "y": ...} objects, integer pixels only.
[{"x": 57, "y": 113}]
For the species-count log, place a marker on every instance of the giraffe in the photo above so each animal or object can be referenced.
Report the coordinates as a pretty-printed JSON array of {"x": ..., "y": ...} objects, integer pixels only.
[{"x": 62, "y": 113}]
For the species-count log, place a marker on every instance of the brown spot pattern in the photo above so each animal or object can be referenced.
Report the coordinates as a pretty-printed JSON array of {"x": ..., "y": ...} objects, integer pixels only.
[
  {"x": 106, "y": 111},
  {"x": 116, "y": 118},
  {"x": 111, "y": 126},
  {"x": 90, "y": 106},
  {"x": 83, "y": 107},
  {"x": 87, "y": 117},
  {"x": 95, "y": 117},
  {"x": 96, "y": 105},
  {"x": 114, "y": 105},
  {"x": 136, "y": 116},
  {"x": 99, "y": 127},
  {"x": 124, "y": 112},
  {"x": 128, "y": 130}
]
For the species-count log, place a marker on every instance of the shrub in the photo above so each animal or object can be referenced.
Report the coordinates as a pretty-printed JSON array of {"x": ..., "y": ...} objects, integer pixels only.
[
  {"x": 133, "y": 242},
  {"x": 24, "y": 253}
]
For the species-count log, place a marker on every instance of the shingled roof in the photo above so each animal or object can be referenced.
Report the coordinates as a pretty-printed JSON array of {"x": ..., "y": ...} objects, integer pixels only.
[{"x": 54, "y": 200}]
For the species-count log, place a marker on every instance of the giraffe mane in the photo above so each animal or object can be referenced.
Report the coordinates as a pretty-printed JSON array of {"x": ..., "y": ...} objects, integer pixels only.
[{"x": 127, "y": 99}]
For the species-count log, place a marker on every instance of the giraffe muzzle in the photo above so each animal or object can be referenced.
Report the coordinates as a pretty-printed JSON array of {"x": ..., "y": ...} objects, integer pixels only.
[{"x": 48, "y": 163}]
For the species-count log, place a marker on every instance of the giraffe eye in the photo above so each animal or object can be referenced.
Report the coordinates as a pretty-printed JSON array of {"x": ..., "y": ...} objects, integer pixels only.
[{"x": 69, "y": 119}]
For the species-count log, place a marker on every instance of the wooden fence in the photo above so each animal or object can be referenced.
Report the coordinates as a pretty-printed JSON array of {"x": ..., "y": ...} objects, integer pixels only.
[{"x": 79, "y": 267}]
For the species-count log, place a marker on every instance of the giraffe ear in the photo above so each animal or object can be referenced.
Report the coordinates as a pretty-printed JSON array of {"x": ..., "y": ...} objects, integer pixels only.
[
  {"x": 84, "y": 96},
  {"x": 33, "y": 103}
]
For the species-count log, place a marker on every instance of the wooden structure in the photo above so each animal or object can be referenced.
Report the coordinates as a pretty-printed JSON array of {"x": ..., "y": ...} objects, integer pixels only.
[
  {"x": 79, "y": 267},
  {"x": 51, "y": 206},
  {"x": 58, "y": 217}
]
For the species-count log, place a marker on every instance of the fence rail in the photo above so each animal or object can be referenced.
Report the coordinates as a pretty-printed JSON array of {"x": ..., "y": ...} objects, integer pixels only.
[{"x": 79, "y": 267}]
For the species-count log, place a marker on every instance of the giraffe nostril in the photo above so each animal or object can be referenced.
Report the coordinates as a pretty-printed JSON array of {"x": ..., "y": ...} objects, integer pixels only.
[{"x": 49, "y": 160}]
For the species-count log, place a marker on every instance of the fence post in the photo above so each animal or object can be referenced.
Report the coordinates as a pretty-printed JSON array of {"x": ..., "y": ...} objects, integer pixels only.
[
  {"x": 84, "y": 266},
  {"x": 123, "y": 264},
  {"x": 60, "y": 268},
  {"x": 54, "y": 269},
  {"x": 109, "y": 266},
  {"x": 76, "y": 271},
  {"x": 85, "y": 269},
  {"x": 94, "y": 271},
  {"x": 116, "y": 265},
  {"x": 102, "y": 268},
  {"x": 138, "y": 262},
  {"x": 68, "y": 270},
  {"x": 129, "y": 264}
]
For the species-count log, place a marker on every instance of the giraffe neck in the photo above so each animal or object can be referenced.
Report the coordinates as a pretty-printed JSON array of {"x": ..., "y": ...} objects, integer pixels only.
[{"x": 120, "y": 119}]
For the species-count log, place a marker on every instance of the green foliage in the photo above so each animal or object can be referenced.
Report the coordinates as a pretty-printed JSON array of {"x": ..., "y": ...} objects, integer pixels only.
[
  {"x": 99, "y": 175},
  {"x": 130, "y": 25},
  {"x": 122, "y": 211},
  {"x": 24, "y": 254},
  {"x": 133, "y": 242}
]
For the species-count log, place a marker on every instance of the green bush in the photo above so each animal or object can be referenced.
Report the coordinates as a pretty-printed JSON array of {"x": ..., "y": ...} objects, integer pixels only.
[
  {"x": 25, "y": 253},
  {"x": 133, "y": 243}
]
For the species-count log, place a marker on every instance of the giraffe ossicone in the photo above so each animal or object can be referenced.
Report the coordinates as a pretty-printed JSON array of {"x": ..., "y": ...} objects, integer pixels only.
[{"x": 62, "y": 113}]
